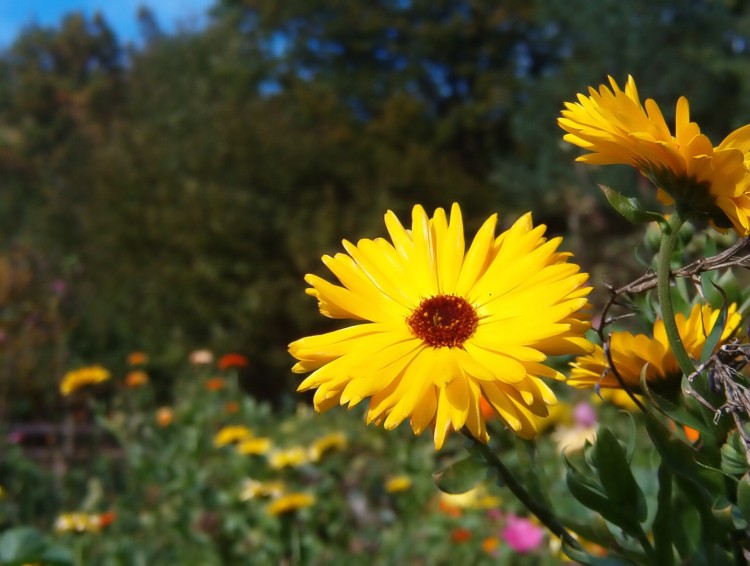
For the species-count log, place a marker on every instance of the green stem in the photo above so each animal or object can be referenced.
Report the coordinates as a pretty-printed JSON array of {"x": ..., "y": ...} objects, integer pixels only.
[
  {"x": 669, "y": 234},
  {"x": 545, "y": 515}
]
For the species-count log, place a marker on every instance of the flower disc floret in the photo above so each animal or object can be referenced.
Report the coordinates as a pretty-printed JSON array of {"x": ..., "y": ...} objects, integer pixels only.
[
  {"x": 445, "y": 327},
  {"x": 444, "y": 320}
]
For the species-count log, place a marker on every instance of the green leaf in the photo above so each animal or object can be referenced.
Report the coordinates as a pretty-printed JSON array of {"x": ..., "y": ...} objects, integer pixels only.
[
  {"x": 592, "y": 495},
  {"x": 662, "y": 525},
  {"x": 23, "y": 545},
  {"x": 743, "y": 497},
  {"x": 733, "y": 458},
  {"x": 461, "y": 476},
  {"x": 616, "y": 476},
  {"x": 715, "y": 335},
  {"x": 630, "y": 207}
]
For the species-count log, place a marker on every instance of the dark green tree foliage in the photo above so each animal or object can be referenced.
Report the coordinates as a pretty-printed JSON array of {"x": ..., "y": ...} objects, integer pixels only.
[{"x": 183, "y": 188}]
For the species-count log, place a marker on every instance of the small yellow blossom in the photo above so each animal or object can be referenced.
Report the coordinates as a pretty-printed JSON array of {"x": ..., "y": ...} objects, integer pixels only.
[
  {"x": 291, "y": 457},
  {"x": 232, "y": 434},
  {"x": 396, "y": 484},
  {"x": 289, "y": 503},
  {"x": 250, "y": 446},
  {"x": 252, "y": 489},
  {"x": 76, "y": 379},
  {"x": 333, "y": 441},
  {"x": 476, "y": 498},
  {"x": 164, "y": 416}
]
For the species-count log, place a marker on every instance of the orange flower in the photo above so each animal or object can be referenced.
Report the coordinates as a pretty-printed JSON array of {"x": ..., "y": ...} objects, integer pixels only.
[
  {"x": 228, "y": 361},
  {"x": 232, "y": 407},
  {"x": 106, "y": 519},
  {"x": 137, "y": 359},
  {"x": 214, "y": 384},
  {"x": 449, "y": 509},
  {"x": 490, "y": 544},
  {"x": 136, "y": 379},
  {"x": 691, "y": 434},
  {"x": 460, "y": 534},
  {"x": 164, "y": 417}
]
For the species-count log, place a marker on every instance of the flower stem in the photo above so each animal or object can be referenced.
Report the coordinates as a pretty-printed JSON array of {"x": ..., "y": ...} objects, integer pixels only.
[
  {"x": 506, "y": 477},
  {"x": 669, "y": 232}
]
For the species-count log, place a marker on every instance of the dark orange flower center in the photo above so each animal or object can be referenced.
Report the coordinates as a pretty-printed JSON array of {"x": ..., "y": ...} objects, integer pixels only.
[{"x": 443, "y": 320}]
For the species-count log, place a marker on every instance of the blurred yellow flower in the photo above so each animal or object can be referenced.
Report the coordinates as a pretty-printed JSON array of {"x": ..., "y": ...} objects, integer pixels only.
[
  {"x": 490, "y": 545},
  {"x": 289, "y": 503},
  {"x": 81, "y": 522},
  {"x": 231, "y": 434},
  {"x": 76, "y": 379},
  {"x": 396, "y": 484},
  {"x": 630, "y": 353},
  {"x": 333, "y": 441},
  {"x": 250, "y": 446},
  {"x": 476, "y": 498},
  {"x": 290, "y": 457},
  {"x": 252, "y": 489},
  {"x": 135, "y": 379},
  {"x": 137, "y": 359},
  {"x": 445, "y": 327},
  {"x": 712, "y": 183},
  {"x": 573, "y": 437}
]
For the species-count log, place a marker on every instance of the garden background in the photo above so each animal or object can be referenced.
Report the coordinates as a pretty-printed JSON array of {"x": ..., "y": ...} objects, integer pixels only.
[{"x": 168, "y": 197}]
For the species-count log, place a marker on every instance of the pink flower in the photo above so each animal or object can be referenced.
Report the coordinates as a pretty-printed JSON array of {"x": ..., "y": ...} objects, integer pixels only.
[
  {"x": 522, "y": 535},
  {"x": 584, "y": 415}
]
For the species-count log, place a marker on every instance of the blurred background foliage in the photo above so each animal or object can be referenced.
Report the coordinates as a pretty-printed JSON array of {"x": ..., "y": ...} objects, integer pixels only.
[{"x": 172, "y": 195}]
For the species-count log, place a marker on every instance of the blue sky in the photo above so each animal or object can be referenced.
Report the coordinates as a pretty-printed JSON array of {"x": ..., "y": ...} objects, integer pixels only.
[{"x": 120, "y": 14}]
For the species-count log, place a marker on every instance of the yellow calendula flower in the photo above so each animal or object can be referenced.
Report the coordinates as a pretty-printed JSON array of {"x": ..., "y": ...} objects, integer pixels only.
[
  {"x": 76, "y": 379},
  {"x": 290, "y": 502},
  {"x": 254, "y": 446},
  {"x": 396, "y": 484},
  {"x": 333, "y": 441},
  {"x": 444, "y": 327},
  {"x": 712, "y": 183},
  {"x": 630, "y": 353},
  {"x": 293, "y": 457},
  {"x": 232, "y": 434},
  {"x": 252, "y": 489}
]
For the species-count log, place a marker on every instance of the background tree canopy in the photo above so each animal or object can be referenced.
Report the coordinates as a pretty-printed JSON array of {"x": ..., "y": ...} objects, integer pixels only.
[{"x": 176, "y": 193}]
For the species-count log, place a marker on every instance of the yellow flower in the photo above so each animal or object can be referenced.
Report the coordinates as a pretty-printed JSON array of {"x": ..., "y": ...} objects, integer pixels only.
[
  {"x": 76, "y": 379},
  {"x": 77, "y": 522},
  {"x": 251, "y": 446},
  {"x": 630, "y": 353},
  {"x": 289, "y": 503},
  {"x": 399, "y": 483},
  {"x": 252, "y": 489},
  {"x": 475, "y": 498},
  {"x": 444, "y": 327},
  {"x": 712, "y": 183},
  {"x": 291, "y": 457},
  {"x": 333, "y": 441},
  {"x": 231, "y": 434}
]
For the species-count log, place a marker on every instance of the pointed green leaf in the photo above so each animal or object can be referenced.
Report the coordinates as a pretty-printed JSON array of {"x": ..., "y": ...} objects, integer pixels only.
[
  {"x": 630, "y": 207},
  {"x": 733, "y": 458},
  {"x": 616, "y": 476},
  {"x": 715, "y": 335}
]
